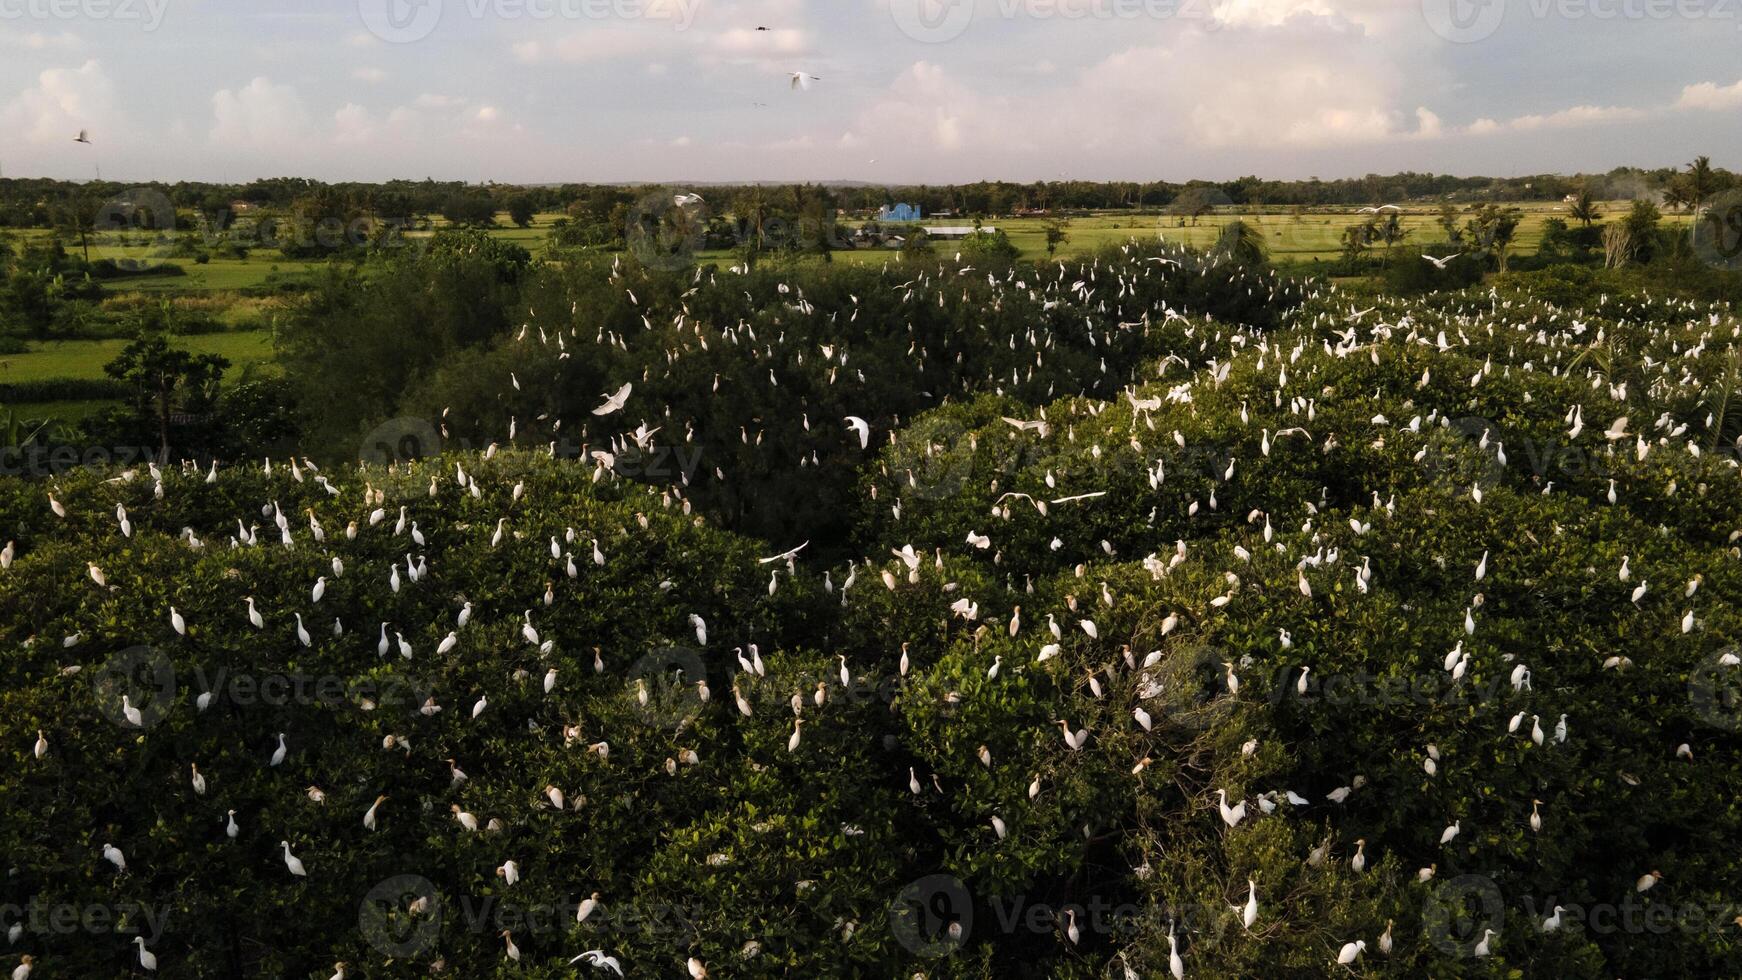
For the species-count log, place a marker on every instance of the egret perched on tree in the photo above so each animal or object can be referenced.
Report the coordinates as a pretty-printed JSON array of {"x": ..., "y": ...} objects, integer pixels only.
[
  {"x": 292, "y": 862},
  {"x": 1231, "y": 815},
  {"x": 369, "y": 817},
  {"x": 1249, "y": 914},
  {"x": 147, "y": 959}
]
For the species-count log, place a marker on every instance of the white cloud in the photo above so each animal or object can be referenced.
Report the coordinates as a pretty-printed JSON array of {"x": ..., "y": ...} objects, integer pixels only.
[
  {"x": 260, "y": 115},
  {"x": 1710, "y": 95},
  {"x": 37, "y": 40},
  {"x": 352, "y": 124},
  {"x": 1427, "y": 123},
  {"x": 62, "y": 102},
  {"x": 753, "y": 45},
  {"x": 1579, "y": 115},
  {"x": 370, "y": 75},
  {"x": 596, "y": 44},
  {"x": 1304, "y": 83}
]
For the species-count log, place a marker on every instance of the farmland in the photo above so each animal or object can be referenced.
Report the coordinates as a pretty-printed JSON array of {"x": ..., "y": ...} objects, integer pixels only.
[{"x": 1300, "y": 239}]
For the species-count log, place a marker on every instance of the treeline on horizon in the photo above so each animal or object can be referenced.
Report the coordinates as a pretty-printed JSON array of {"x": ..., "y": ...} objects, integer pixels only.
[{"x": 33, "y": 202}]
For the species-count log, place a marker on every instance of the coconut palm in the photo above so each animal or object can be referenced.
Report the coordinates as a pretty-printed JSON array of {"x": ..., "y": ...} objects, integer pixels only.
[{"x": 1584, "y": 208}]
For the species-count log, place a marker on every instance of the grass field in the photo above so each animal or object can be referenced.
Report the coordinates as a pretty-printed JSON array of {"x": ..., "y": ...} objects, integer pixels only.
[
  {"x": 85, "y": 358},
  {"x": 1313, "y": 235},
  {"x": 1295, "y": 237},
  {"x": 55, "y": 359}
]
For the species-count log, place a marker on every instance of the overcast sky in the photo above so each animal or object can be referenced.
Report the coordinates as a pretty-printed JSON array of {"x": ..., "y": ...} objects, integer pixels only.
[{"x": 907, "y": 90}]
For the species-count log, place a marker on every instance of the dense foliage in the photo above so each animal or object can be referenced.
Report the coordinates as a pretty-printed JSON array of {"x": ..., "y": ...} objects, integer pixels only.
[{"x": 1154, "y": 582}]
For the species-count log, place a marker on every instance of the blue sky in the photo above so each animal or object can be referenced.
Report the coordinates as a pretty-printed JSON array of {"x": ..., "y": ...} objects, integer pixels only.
[{"x": 907, "y": 90}]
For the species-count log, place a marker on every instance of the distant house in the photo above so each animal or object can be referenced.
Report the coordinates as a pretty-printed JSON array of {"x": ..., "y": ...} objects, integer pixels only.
[
  {"x": 899, "y": 213},
  {"x": 948, "y": 232}
]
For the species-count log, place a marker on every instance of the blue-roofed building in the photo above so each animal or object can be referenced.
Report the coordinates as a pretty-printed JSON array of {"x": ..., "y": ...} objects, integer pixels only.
[{"x": 899, "y": 213}]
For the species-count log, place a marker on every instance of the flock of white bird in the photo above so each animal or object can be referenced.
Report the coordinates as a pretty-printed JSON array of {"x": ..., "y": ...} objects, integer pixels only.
[{"x": 1104, "y": 293}]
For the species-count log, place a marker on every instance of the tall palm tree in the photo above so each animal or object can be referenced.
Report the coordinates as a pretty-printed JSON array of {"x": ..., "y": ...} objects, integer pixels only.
[
  {"x": 1585, "y": 209},
  {"x": 1241, "y": 243},
  {"x": 1702, "y": 181},
  {"x": 752, "y": 207}
]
